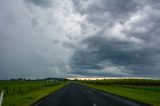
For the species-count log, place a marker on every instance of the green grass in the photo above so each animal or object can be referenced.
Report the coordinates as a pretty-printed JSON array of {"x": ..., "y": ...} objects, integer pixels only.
[
  {"x": 19, "y": 87},
  {"x": 29, "y": 98},
  {"x": 134, "y": 82},
  {"x": 145, "y": 94},
  {"x": 150, "y": 88},
  {"x": 24, "y": 93}
]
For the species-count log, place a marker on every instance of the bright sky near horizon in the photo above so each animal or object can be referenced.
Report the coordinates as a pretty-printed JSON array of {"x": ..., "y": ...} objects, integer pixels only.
[{"x": 82, "y": 38}]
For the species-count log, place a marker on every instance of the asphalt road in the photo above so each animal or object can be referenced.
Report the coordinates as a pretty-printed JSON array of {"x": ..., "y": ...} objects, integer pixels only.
[{"x": 74, "y": 94}]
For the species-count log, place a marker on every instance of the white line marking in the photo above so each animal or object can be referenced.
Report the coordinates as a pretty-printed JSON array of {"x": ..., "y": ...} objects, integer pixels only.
[
  {"x": 1, "y": 97},
  {"x": 94, "y": 104}
]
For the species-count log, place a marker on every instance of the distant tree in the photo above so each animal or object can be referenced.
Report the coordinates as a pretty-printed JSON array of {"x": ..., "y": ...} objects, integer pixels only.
[{"x": 75, "y": 79}]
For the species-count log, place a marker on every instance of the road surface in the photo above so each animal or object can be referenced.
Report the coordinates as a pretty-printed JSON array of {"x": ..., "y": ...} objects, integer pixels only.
[{"x": 74, "y": 94}]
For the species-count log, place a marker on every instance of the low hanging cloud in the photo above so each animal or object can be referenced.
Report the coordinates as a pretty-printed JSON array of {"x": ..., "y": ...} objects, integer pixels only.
[
  {"x": 67, "y": 38},
  {"x": 101, "y": 53},
  {"x": 40, "y": 3},
  {"x": 128, "y": 38}
]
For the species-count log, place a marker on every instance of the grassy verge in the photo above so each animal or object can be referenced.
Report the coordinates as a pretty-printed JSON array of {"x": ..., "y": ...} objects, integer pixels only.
[
  {"x": 151, "y": 97},
  {"x": 29, "y": 98}
]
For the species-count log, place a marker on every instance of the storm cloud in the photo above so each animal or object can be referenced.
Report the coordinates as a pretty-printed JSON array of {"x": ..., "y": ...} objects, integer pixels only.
[
  {"x": 101, "y": 53},
  {"x": 40, "y": 3},
  {"x": 68, "y": 38},
  {"x": 128, "y": 37}
]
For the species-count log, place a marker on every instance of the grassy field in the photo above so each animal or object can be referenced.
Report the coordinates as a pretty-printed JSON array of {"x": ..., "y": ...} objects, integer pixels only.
[
  {"x": 132, "y": 82},
  {"x": 144, "y": 92},
  {"x": 24, "y": 93},
  {"x": 15, "y": 87}
]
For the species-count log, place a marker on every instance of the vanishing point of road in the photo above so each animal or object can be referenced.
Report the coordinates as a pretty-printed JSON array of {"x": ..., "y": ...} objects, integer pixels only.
[{"x": 74, "y": 94}]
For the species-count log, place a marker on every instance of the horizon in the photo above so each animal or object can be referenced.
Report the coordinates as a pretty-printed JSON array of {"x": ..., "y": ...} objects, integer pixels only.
[{"x": 85, "y": 78}]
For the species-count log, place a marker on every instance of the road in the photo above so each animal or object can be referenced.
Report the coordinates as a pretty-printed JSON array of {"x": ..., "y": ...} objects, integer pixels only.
[{"x": 74, "y": 94}]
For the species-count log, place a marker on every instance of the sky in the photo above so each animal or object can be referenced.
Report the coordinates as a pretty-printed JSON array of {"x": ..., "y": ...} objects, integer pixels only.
[{"x": 79, "y": 38}]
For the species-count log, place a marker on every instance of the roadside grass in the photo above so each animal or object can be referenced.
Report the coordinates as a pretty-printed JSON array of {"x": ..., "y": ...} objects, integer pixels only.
[
  {"x": 26, "y": 99},
  {"x": 150, "y": 88},
  {"x": 19, "y": 87},
  {"x": 146, "y": 94}
]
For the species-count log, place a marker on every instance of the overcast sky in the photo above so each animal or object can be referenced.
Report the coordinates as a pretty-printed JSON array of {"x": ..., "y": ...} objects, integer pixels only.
[{"x": 82, "y": 38}]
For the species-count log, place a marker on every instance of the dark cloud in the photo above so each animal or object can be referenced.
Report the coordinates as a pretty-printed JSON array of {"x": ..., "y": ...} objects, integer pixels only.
[
  {"x": 117, "y": 44},
  {"x": 40, "y": 3},
  {"x": 104, "y": 11},
  {"x": 100, "y": 50},
  {"x": 65, "y": 38},
  {"x": 56, "y": 41}
]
